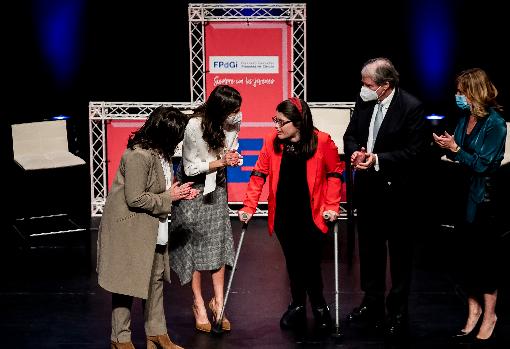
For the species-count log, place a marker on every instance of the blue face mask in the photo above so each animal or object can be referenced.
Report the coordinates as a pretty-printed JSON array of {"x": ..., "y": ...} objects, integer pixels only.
[{"x": 462, "y": 102}]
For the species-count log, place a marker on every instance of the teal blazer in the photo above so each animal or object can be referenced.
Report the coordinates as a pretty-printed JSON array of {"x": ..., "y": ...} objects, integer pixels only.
[{"x": 482, "y": 156}]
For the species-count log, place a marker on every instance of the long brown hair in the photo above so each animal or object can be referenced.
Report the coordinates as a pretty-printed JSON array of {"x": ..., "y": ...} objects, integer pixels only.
[
  {"x": 476, "y": 86},
  {"x": 223, "y": 101}
]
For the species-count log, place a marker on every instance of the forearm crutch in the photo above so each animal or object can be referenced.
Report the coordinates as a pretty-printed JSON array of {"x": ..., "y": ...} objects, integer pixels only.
[
  {"x": 336, "y": 333},
  {"x": 217, "y": 329}
]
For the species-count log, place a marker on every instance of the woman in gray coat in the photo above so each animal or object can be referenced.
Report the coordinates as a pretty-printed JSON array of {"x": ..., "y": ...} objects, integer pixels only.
[{"x": 132, "y": 259}]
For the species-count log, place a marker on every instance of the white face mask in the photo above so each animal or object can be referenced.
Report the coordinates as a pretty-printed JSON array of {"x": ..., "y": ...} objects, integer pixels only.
[
  {"x": 367, "y": 94},
  {"x": 233, "y": 119}
]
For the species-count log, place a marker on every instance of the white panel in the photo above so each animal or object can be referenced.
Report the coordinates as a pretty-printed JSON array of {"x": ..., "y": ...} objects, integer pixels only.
[
  {"x": 333, "y": 121},
  {"x": 39, "y": 137},
  {"x": 41, "y": 145}
]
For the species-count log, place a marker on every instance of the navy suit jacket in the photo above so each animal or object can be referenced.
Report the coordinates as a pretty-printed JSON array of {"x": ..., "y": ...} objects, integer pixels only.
[{"x": 403, "y": 139}]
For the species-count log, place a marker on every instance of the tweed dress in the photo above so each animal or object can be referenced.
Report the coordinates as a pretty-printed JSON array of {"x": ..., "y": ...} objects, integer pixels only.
[{"x": 200, "y": 231}]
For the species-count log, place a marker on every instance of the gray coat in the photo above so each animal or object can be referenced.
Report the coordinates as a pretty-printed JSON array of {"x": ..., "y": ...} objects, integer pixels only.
[{"x": 129, "y": 225}]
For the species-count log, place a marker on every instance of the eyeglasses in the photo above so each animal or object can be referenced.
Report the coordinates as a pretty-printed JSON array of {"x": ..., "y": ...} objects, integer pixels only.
[{"x": 279, "y": 122}]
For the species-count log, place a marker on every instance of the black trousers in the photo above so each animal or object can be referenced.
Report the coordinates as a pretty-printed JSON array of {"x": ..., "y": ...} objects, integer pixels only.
[
  {"x": 302, "y": 249},
  {"x": 384, "y": 230}
]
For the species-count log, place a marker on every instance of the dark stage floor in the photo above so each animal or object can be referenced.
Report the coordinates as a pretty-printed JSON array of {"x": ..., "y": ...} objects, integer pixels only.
[{"x": 49, "y": 298}]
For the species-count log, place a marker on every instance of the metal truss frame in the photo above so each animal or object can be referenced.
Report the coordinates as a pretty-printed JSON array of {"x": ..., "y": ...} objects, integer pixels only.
[
  {"x": 200, "y": 14},
  {"x": 100, "y": 113}
]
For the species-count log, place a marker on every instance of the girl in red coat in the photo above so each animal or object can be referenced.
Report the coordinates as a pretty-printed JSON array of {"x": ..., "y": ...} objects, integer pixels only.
[{"x": 307, "y": 162}]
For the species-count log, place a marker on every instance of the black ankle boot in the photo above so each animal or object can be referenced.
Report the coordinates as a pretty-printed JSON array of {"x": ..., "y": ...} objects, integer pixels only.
[
  {"x": 322, "y": 318},
  {"x": 294, "y": 317}
]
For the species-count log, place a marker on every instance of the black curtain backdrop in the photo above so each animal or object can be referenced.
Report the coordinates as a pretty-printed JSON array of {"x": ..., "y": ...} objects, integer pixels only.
[{"x": 139, "y": 52}]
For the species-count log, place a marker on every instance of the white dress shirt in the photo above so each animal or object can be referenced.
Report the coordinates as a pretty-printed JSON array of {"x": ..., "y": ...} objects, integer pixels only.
[
  {"x": 163, "y": 223},
  {"x": 196, "y": 154}
]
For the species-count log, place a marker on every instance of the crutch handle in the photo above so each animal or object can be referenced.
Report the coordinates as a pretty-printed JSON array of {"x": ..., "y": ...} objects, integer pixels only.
[
  {"x": 326, "y": 216},
  {"x": 244, "y": 217}
]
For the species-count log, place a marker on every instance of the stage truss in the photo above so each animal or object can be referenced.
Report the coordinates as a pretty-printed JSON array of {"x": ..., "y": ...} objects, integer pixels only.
[
  {"x": 101, "y": 113},
  {"x": 200, "y": 14}
]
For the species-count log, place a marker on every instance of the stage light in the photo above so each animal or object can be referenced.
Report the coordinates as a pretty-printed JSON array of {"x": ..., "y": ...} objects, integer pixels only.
[
  {"x": 60, "y": 117},
  {"x": 437, "y": 123},
  {"x": 435, "y": 118}
]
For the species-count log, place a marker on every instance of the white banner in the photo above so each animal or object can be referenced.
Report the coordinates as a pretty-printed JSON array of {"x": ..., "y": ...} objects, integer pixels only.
[{"x": 243, "y": 64}]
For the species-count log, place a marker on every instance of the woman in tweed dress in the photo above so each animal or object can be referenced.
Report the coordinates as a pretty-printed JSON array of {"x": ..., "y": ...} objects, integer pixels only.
[
  {"x": 132, "y": 258},
  {"x": 201, "y": 235}
]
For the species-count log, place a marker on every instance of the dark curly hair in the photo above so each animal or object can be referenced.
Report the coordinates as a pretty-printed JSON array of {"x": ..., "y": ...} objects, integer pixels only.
[
  {"x": 223, "y": 101},
  {"x": 162, "y": 131}
]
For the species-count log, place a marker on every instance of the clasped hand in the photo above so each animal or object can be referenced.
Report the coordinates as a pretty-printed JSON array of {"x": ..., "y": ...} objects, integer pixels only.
[
  {"x": 232, "y": 158},
  {"x": 361, "y": 160},
  {"x": 182, "y": 192}
]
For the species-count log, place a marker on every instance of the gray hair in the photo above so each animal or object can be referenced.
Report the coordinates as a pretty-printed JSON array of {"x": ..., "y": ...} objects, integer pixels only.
[{"x": 381, "y": 70}]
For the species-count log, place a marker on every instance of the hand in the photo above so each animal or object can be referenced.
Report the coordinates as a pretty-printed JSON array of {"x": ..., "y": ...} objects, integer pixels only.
[
  {"x": 367, "y": 163},
  {"x": 193, "y": 193},
  {"x": 178, "y": 191},
  {"x": 330, "y": 215},
  {"x": 358, "y": 156},
  {"x": 232, "y": 158},
  {"x": 445, "y": 141},
  {"x": 239, "y": 158},
  {"x": 244, "y": 216}
]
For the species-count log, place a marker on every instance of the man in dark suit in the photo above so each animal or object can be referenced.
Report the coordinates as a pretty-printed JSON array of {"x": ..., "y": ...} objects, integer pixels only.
[{"x": 386, "y": 138}]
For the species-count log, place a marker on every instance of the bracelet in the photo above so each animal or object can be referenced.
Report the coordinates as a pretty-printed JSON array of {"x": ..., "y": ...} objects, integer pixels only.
[{"x": 456, "y": 150}]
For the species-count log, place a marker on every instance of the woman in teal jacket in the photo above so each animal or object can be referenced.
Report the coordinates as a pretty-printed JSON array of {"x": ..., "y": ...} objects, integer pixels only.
[{"x": 478, "y": 145}]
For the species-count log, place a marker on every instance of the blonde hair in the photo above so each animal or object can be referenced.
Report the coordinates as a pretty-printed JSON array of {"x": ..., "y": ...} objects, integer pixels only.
[{"x": 476, "y": 86}]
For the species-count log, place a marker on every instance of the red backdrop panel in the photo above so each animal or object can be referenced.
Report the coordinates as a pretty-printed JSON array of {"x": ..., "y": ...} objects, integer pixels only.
[
  {"x": 117, "y": 135},
  {"x": 254, "y": 58}
]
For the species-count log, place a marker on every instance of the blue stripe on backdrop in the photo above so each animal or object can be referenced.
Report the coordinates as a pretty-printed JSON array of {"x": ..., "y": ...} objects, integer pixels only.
[{"x": 236, "y": 174}]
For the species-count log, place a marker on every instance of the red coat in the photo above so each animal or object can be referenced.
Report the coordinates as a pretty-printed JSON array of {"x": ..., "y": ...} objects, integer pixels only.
[{"x": 323, "y": 173}]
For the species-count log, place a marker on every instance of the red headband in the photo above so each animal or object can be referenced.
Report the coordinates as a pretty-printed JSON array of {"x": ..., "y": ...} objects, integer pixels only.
[{"x": 297, "y": 103}]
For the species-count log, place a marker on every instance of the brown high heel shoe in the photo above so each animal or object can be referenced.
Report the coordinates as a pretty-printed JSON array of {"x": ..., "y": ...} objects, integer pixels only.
[
  {"x": 161, "y": 342},
  {"x": 205, "y": 327},
  {"x": 124, "y": 345},
  {"x": 225, "y": 324}
]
